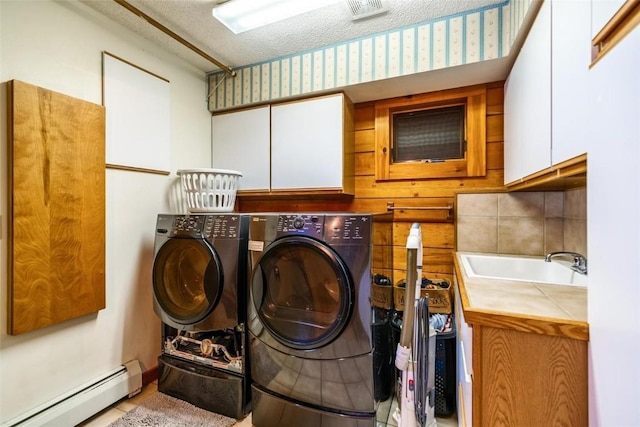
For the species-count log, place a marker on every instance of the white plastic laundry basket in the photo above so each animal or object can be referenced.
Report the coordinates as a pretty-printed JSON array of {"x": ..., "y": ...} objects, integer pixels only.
[{"x": 210, "y": 190}]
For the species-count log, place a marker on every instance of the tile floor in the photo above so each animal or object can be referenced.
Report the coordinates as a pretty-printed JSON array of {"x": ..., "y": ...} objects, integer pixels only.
[{"x": 118, "y": 409}]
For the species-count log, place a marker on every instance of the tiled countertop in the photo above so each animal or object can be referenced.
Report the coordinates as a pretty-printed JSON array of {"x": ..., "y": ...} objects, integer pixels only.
[{"x": 525, "y": 306}]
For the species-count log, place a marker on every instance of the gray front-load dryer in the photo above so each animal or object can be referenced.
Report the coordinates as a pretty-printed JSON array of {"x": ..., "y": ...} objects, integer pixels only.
[
  {"x": 310, "y": 319},
  {"x": 199, "y": 271}
]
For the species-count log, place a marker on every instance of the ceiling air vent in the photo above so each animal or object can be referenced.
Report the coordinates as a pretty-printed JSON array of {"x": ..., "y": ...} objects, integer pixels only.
[{"x": 365, "y": 8}]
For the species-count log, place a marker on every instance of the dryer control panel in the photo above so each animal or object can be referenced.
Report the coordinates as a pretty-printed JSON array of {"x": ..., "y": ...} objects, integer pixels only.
[{"x": 303, "y": 224}]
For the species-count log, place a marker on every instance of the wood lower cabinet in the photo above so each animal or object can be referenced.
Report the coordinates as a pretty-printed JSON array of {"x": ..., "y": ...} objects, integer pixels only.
[
  {"x": 527, "y": 379},
  {"x": 508, "y": 377}
]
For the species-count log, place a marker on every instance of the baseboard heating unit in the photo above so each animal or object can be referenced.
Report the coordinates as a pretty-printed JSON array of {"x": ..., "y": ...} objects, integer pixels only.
[{"x": 85, "y": 401}]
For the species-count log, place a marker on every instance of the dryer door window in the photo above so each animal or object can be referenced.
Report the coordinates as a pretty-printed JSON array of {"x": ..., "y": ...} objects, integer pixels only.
[
  {"x": 302, "y": 292},
  {"x": 187, "y": 280}
]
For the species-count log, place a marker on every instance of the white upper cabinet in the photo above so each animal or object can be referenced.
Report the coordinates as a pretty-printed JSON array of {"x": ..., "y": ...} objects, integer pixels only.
[
  {"x": 546, "y": 95},
  {"x": 527, "y": 102},
  {"x": 299, "y": 146},
  {"x": 312, "y": 145},
  {"x": 241, "y": 142},
  {"x": 570, "y": 60}
]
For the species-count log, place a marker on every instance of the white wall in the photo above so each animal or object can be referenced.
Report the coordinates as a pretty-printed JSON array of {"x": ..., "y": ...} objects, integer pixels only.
[
  {"x": 58, "y": 45},
  {"x": 613, "y": 229}
]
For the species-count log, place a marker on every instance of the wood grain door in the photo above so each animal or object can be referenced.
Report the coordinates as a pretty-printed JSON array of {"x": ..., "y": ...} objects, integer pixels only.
[{"x": 57, "y": 208}]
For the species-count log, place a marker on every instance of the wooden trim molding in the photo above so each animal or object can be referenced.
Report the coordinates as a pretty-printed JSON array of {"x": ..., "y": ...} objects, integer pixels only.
[
  {"x": 137, "y": 169},
  {"x": 569, "y": 174},
  {"x": 621, "y": 24},
  {"x": 175, "y": 36},
  {"x": 150, "y": 375}
]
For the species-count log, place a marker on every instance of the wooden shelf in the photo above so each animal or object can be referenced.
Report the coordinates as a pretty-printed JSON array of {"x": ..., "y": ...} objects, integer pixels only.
[
  {"x": 564, "y": 176},
  {"x": 293, "y": 194}
]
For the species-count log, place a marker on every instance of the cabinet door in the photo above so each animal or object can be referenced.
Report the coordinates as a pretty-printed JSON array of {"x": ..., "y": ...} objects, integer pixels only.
[
  {"x": 307, "y": 144},
  {"x": 241, "y": 142},
  {"x": 464, "y": 371},
  {"x": 527, "y": 102},
  {"x": 570, "y": 59}
]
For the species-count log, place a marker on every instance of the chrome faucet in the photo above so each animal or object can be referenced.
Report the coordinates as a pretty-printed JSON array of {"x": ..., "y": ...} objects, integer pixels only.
[{"x": 579, "y": 261}]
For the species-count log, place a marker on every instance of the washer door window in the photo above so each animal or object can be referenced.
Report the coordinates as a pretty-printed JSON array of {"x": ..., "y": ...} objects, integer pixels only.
[
  {"x": 187, "y": 280},
  {"x": 302, "y": 292}
]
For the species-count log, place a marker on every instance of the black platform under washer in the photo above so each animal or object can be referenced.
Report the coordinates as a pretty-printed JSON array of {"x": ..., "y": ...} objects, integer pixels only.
[
  {"x": 211, "y": 389},
  {"x": 310, "y": 318}
]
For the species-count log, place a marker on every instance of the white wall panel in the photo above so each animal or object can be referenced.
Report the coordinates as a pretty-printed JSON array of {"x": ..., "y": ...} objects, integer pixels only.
[
  {"x": 613, "y": 209},
  {"x": 40, "y": 45}
]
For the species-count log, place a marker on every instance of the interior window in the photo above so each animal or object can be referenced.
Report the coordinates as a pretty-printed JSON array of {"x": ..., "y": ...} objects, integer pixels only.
[{"x": 433, "y": 135}]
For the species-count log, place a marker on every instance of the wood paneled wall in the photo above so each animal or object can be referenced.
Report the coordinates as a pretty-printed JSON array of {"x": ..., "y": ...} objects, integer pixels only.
[{"x": 438, "y": 232}]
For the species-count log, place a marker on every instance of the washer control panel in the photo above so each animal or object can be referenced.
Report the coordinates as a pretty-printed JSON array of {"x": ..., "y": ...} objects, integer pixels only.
[
  {"x": 348, "y": 229},
  {"x": 199, "y": 226}
]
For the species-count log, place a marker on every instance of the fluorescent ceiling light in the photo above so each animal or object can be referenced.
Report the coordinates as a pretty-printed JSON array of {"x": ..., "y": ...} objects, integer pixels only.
[{"x": 244, "y": 15}]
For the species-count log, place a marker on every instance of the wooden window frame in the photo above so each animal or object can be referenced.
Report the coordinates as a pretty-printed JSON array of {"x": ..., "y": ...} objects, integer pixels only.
[{"x": 474, "y": 162}]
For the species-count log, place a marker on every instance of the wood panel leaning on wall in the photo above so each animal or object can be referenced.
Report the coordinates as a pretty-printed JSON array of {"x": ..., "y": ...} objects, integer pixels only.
[
  {"x": 56, "y": 224},
  {"x": 438, "y": 227}
]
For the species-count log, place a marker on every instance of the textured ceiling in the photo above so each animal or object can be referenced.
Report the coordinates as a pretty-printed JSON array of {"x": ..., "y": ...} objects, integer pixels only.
[{"x": 192, "y": 20}]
